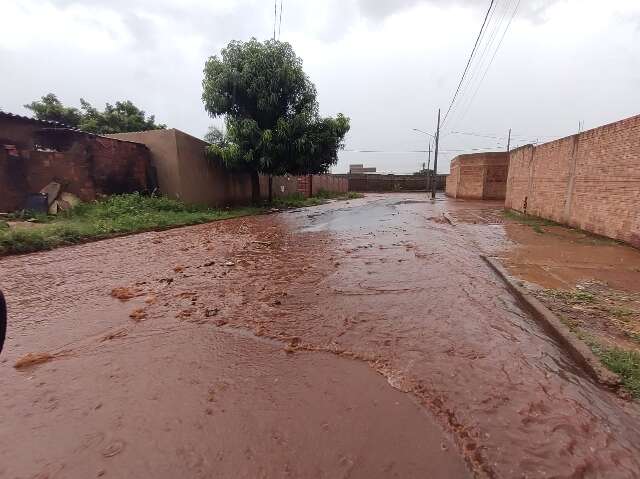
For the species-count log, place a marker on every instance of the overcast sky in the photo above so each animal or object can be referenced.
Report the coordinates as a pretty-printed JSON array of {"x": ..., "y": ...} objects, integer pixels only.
[{"x": 387, "y": 64}]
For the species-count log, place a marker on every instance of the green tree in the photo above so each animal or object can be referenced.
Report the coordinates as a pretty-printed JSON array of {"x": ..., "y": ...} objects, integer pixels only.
[
  {"x": 214, "y": 135},
  {"x": 50, "y": 108},
  {"x": 123, "y": 117},
  {"x": 271, "y": 112}
]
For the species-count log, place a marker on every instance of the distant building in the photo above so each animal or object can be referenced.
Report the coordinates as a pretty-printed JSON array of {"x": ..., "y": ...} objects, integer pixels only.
[{"x": 359, "y": 169}]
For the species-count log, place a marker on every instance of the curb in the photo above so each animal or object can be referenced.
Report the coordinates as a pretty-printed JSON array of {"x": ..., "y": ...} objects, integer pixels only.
[{"x": 552, "y": 324}]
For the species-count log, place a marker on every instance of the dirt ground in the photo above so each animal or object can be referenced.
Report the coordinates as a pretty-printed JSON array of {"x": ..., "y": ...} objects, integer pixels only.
[
  {"x": 591, "y": 282},
  {"x": 361, "y": 339}
]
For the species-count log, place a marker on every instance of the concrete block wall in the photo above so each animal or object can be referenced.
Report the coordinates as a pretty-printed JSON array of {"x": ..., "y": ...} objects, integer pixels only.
[{"x": 589, "y": 181}]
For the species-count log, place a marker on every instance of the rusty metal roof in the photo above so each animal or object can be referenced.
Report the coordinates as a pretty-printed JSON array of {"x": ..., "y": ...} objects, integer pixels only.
[{"x": 51, "y": 124}]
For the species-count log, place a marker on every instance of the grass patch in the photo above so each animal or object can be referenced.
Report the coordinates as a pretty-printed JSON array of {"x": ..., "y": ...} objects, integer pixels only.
[
  {"x": 575, "y": 296},
  {"x": 116, "y": 215},
  {"x": 625, "y": 363},
  {"x": 622, "y": 313},
  {"x": 298, "y": 200},
  {"x": 534, "y": 221},
  {"x": 124, "y": 214}
]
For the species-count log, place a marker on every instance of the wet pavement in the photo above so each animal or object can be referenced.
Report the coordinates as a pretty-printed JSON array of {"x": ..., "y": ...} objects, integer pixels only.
[{"x": 354, "y": 339}]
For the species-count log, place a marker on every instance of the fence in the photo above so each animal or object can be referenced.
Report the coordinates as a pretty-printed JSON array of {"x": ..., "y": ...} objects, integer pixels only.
[{"x": 590, "y": 180}]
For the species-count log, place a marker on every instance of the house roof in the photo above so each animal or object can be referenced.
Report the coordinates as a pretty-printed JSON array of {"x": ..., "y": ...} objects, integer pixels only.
[{"x": 48, "y": 123}]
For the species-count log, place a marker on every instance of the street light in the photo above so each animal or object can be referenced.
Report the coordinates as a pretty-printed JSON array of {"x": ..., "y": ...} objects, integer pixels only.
[{"x": 424, "y": 132}]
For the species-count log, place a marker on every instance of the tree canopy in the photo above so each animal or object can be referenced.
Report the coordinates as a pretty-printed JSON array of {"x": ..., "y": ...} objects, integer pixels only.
[
  {"x": 122, "y": 117},
  {"x": 271, "y": 112}
]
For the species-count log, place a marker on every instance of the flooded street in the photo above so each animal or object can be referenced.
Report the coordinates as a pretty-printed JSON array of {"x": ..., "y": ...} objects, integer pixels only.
[{"x": 359, "y": 339}]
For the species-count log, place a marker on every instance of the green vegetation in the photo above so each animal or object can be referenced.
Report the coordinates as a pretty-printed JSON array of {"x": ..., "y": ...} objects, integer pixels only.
[
  {"x": 622, "y": 362},
  {"x": 123, "y": 214},
  {"x": 298, "y": 200},
  {"x": 122, "y": 117},
  {"x": 622, "y": 313},
  {"x": 535, "y": 222},
  {"x": 271, "y": 113},
  {"x": 572, "y": 297},
  {"x": 114, "y": 216}
]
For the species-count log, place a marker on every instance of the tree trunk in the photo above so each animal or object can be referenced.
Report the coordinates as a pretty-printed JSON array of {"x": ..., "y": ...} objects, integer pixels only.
[
  {"x": 310, "y": 186},
  {"x": 270, "y": 189},
  {"x": 255, "y": 187}
]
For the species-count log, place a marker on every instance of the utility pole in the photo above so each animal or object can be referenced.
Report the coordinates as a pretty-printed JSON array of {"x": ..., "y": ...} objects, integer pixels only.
[
  {"x": 426, "y": 173},
  {"x": 509, "y": 142},
  {"x": 435, "y": 161}
]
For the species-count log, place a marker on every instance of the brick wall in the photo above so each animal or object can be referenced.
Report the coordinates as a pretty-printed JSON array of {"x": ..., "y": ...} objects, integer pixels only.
[
  {"x": 382, "y": 183},
  {"x": 590, "y": 180},
  {"x": 87, "y": 166},
  {"x": 481, "y": 176},
  {"x": 330, "y": 183}
]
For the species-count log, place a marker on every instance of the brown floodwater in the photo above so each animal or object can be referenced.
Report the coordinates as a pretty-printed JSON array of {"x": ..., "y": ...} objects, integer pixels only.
[
  {"x": 559, "y": 257},
  {"x": 356, "y": 339}
]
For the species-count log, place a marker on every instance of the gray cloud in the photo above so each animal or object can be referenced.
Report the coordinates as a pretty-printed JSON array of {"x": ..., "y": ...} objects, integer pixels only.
[
  {"x": 380, "y": 9},
  {"x": 388, "y": 76}
]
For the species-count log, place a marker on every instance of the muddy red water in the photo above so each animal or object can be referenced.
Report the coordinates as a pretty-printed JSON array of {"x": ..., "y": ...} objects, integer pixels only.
[{"x": 358, "y": 339}]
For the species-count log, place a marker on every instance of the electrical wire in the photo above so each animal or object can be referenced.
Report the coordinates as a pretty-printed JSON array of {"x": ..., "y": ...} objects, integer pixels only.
[
  {"x": 275, "y": 17},
  {"x": 466, "y": 69},
  {"x": 280, "y": 21},
  {"x": 478, "y": 64},
  {"x": 504, "y": 33}
]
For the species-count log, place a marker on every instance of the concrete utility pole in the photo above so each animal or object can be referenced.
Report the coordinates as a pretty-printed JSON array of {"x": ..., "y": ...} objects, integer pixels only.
[
  {"x": 509, "y": 142},
  {"x": 435, "y": 161},
  {"x": 426, "y": 173}
]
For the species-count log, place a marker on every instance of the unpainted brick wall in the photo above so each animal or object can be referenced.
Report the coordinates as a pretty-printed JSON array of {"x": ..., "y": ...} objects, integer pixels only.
[
  {"x": 91, "y": 166},
  {"x": 329, "y": 183},
  {"x": 382, "y": 183},
  {"x": 481, "y": 176},
  {"x": 590, "y": 181}
]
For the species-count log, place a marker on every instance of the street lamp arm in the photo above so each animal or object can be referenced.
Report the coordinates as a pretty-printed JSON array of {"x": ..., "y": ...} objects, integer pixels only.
[{"x": 423, "y": 132}]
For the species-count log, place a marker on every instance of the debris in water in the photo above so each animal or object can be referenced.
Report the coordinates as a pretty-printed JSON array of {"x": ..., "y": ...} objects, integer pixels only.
[
  {"x": 179, "y": 269},
  {"x": 124, "y": 293},
  {"x": 220, "y": 322},
  {"x": 32, "y": 359},
  {"x": 185, "y": 313},
  {"x": 138, "y": 314},
  {"x": 150, "y": 299},
  {"x": 211, "y": 312},
  {"x": 229, "y": 263},
  {"x": 113, "y": 449},
  {"x": 121, "y": 333}
]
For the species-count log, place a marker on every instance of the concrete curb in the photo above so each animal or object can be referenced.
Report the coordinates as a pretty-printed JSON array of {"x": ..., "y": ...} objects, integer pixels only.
[{"x": 552, "y": 324}]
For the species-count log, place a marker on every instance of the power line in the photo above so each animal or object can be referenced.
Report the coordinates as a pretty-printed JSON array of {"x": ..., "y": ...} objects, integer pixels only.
[
  {"x": 473, "y": 51},
  {"x": 422, "y": 151},
  {"x": 478, "y": 63},
  {"x": 504, "y": 33},
  {"x": 280, "y": 21},
  {"x": 275, "y": 17}
]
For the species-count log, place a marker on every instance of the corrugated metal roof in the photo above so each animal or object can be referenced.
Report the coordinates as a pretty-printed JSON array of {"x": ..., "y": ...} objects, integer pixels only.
[{"x": 55, "y": 125}]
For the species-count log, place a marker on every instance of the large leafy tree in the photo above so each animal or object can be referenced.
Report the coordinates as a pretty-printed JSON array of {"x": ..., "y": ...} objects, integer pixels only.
[
  {"x": 122, "y": 117},
  {"x": 50, "y": 108},
  {"x": 271, "y": 112}
]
